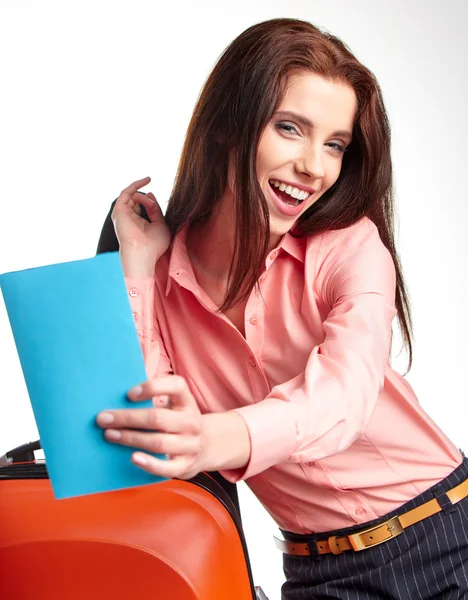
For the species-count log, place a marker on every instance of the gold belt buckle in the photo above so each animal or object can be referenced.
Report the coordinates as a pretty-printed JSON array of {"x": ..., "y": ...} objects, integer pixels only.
[{"x": 393, "y": 527}]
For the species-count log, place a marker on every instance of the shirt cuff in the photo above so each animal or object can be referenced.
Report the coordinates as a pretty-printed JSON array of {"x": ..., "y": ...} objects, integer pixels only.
[
  {"x": 273, "y": 437},
  {"x": 140, "y": 294}
]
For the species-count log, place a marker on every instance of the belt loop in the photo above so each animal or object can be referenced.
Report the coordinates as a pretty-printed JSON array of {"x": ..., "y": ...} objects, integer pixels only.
[
  {"x": 314, "y": 553},
  {"x": 310, "y": 540},
  {"x": 334, "y": 547},
  {"x": 442, "y": 499}
]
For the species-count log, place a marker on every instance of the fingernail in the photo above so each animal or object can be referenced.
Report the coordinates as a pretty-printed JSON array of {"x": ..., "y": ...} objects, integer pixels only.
[
  {"x": 113, "y": 434},
  {"x": 136, "y": 391},
  {"x": 105, "y": 418},
  {"x": 140, "y": 459}
]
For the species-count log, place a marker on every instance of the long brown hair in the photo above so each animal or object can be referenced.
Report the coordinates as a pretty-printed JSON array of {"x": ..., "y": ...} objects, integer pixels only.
[{"x": 236, "y": 103}]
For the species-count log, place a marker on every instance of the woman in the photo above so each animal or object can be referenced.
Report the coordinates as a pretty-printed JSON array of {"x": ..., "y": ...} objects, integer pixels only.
[{"x": 269, "y": 289}]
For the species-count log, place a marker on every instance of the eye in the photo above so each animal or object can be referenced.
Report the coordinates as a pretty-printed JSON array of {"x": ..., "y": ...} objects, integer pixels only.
[
  {"x": 336, "y": 147},
  {"x": 287, "y": 127}
]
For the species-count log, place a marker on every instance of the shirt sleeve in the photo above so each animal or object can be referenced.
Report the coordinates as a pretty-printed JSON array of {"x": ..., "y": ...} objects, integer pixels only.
[
  {"x": 326, "y": 408},
  {"x": 141, "y": 296}
]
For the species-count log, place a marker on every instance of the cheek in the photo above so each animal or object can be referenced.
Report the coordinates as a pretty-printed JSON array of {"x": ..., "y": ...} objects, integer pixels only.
[
  {"x": 262, "y": 161},
  {"x": 271, "y": 154},
  {"x": 332, "y": 172}
]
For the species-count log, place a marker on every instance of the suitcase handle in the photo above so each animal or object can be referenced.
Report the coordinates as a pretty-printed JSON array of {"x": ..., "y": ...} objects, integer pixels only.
[{"x": 24, "y": 453}]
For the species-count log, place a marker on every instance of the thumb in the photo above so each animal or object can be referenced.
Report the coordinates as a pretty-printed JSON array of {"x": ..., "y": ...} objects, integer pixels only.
[{"x": 154, "y": 210}]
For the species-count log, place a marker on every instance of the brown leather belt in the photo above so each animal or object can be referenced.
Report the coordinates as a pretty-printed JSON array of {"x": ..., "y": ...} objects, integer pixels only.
[{"x": 374, "y": 535}]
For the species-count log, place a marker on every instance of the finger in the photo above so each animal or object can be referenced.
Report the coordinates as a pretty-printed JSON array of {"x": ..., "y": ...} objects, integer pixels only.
[
  {"x": 174, "y": 386},
  {"x": 137, "y": 200},
  {"x": 135, "y": 186},
  {"x": 152, "y": 419},
  {"x": 141, "y": 198},
  {"x": 175, "y": 467},
  {"x": 126, "y": 194},
  {"x": 158, "y": 443},
  {"x": 153, "y": 209},
  {"x": 161, "y": 401},
  {"x": 149, "y": 201}
]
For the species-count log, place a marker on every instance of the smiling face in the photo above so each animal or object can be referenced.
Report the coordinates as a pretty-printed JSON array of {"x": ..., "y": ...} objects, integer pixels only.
[{"x": 300, "y": 152}]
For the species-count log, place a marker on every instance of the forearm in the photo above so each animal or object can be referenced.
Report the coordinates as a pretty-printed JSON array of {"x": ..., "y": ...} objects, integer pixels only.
[{"x": 226, "y": 441}]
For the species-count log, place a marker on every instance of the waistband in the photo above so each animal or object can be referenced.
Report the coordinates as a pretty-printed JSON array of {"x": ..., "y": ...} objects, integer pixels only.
[{"x": 436, "y": 491}]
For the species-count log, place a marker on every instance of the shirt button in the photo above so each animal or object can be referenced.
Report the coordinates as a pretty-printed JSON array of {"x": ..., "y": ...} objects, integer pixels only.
[
  {"x": 133, "y": 292},
  {"x": 309, "y": 464},
  {"x": 135, "y": 315},
  {"x": 254, "y": 320},
  {"x": 360, "y": 511},
  {"x": 252, "y": 362}
]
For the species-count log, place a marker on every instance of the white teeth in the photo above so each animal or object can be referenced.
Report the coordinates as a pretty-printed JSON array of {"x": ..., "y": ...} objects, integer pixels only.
[{"x": 294, "y": 192}]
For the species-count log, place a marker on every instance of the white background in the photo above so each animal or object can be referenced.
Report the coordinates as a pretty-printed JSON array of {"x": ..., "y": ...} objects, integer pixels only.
[{"x": 94, "y": 95}]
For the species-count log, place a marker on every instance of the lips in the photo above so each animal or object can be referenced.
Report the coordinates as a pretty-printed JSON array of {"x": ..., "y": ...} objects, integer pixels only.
[
  {"x": 294, "y": 190},
  {"x": 285, "y": 203},
  {"x": 287, "y": 198}
]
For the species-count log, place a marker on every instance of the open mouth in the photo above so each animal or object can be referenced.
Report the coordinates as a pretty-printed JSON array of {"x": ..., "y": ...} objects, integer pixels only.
[{"x": 288, "y": 194}]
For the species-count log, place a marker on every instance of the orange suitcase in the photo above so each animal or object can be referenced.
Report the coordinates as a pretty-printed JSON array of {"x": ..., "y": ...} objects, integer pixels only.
[{"x": 179, "y": 540}]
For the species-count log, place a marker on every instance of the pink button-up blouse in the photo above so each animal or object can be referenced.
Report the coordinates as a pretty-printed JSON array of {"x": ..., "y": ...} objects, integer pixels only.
[{"x": 338, "y": 437}]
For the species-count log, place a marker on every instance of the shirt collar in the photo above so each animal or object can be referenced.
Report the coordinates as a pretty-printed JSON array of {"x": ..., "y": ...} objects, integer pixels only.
[{"x": 295, "y": 246}]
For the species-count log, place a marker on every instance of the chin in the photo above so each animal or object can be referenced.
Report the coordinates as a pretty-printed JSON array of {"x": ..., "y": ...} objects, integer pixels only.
[{"x": 279, "y": 229}]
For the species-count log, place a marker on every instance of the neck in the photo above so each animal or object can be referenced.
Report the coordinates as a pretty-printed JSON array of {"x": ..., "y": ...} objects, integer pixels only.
[{"x": 210, "y": 245}]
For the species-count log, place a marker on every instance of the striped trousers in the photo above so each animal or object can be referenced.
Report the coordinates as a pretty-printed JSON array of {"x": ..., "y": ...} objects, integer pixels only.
[{"x": 429, "y": 560}]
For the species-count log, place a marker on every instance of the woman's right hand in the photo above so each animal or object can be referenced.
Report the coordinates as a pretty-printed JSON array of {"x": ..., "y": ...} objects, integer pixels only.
[{"x": 141, "y": 243}]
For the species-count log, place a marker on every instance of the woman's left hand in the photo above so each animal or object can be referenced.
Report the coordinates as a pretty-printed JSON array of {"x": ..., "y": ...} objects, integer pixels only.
[{"x": 176, "y": 431}]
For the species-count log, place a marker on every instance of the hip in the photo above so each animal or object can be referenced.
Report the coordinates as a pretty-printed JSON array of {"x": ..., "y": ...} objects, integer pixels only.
[{"x": 426, "y": 559}]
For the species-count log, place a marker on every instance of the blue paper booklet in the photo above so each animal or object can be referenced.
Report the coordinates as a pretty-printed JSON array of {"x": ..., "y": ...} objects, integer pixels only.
[{"x": 80, "y": 354}]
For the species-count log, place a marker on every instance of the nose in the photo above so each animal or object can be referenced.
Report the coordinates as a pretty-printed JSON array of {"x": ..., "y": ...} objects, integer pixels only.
[{"x": 310, "y": 162}]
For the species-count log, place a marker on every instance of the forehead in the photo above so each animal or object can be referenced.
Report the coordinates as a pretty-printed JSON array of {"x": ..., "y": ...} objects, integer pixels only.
[{"x": 327, "y": 103}]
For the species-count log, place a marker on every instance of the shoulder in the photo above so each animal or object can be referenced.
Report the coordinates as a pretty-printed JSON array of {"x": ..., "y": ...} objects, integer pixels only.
[
  {"x": 354, "y": 256},
  {"x": 363, "y": 232},
  {"x": 358, "y": 241}
]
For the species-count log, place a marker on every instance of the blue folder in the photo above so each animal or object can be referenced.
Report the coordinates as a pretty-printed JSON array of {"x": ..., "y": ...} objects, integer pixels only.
[{"x": 80, "y": 354}]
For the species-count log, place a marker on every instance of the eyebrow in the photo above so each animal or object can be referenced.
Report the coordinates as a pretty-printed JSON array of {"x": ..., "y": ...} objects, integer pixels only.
[{"x": 305, "y": 121}]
